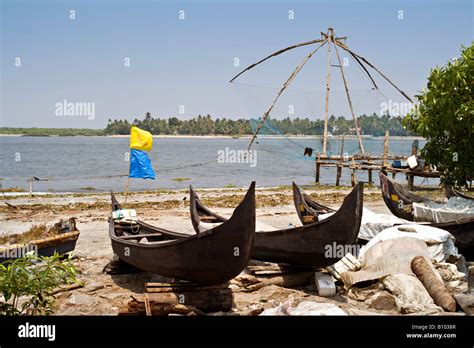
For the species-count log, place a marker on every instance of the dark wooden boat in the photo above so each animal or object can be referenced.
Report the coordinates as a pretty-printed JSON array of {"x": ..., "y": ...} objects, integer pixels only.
[
  {"x": 210, "y": 257},
  {"x": 399, "y": 200},
  {"x": 307, "y": 209},
  {"x": 142, "y": 227},
  {"x": 308, "y": 245},
  {"x": 452, "y": 192},
  {"x": 62, "y": 242}
]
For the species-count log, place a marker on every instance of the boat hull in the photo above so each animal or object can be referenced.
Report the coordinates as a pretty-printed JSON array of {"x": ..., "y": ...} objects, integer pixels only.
[
  {"x": 62, "y": 244},
  {"x": 314, "y": 245},
  {"x": 208, "y": 258}
]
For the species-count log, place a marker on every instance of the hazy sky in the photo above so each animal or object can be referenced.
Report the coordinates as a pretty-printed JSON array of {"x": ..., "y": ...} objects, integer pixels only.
[{"x": 181, "y": 67}]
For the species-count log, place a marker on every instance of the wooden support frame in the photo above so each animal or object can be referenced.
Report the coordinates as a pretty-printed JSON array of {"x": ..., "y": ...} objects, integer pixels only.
[
  {"x": 285, "y": 85},
  {"x": 328, "y": 38},
  {"x": 346, "y": 88}
]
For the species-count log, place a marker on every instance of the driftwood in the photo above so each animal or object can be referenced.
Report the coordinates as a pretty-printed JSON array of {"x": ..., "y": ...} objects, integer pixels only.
[{"x": 67, "y": 288}]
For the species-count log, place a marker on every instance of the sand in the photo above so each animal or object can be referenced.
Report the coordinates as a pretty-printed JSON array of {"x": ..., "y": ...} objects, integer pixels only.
[{"x": 105, "y": 294}]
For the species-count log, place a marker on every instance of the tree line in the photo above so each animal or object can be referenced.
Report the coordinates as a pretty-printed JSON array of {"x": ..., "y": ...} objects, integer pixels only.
[{"x": 205, "y": 125}]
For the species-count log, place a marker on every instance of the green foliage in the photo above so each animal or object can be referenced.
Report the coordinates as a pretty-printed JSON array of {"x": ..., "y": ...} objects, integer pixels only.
[
  {"x": 32, "y": 279},
  {"x": 205, "y": 125},
  {"x": 62, "y": 132},
  {"x": 445, "y": 117}
]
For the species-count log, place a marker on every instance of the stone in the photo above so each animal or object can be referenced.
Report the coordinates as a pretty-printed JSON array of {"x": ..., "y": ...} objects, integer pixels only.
[{"x": 81, "y": 299}]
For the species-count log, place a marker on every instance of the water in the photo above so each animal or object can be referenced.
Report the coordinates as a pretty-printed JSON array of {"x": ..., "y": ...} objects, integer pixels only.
[{"x": 88, "y": 164}]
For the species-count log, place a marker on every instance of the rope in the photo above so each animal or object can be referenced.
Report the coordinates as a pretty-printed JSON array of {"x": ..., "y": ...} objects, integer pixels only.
[{"x": 119, "y": 175}]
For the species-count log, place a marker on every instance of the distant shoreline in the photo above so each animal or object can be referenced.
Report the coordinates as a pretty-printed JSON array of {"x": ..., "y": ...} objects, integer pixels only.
[{"x": 366, "y": 137}]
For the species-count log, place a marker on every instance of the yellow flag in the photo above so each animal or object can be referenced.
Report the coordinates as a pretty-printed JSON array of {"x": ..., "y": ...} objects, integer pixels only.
[{"x": 140, "y": 139}]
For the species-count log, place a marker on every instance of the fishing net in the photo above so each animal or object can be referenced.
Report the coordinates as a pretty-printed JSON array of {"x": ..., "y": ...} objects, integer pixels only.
[{"x": 300, "y": 109}]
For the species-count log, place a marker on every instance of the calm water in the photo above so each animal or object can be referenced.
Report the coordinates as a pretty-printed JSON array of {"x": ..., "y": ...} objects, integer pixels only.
[{"x": 93, "y": 163}]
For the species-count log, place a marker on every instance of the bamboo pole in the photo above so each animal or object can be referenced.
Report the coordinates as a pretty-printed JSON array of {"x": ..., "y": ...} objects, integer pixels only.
[
  {"x": 365, "y": 69},
  {"x": 353, "y": 176},
  {"x": 276, "y": 54},
  {"x": 128, "y": 179},
  {"x": 126, "y": 190},
  {"x": 340, "y": 165},
  {"x": 342, "y": 147},
  {"x": 330, "y": 36},
  {"x": 318, "y": 167},
  {"x": 361, "y": 145},
  {"x": 344, "y": 47},
  {"x": 385, "y": 149},
  {"x": 285, "y": 85},
  {"x": 338, "y": 174}
]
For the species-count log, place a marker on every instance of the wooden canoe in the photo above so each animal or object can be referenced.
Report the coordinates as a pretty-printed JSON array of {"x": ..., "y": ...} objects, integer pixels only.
[
  {"x": 143, "y": 227},
  {"x": 63, "y": 242},
  {"x": 399, "y": 200},
  {"x": 208, "y": 258},
  {"x": 453, "y": 192},
  {"x": 308, "y": 245},
  {"x": 308, "y": 210}
]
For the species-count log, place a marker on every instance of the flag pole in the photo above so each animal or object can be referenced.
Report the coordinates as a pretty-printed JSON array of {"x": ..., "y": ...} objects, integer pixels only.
[
  {"x": 126, "y": 190},
  {"x": 128, "y": 179}
]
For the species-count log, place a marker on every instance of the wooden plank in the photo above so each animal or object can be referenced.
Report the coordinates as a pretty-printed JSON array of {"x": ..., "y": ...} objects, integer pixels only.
[
  {"x": 180, "y": 288},
  {"x": 166, "y": 303},
  {"x": 147, "y": 306}
]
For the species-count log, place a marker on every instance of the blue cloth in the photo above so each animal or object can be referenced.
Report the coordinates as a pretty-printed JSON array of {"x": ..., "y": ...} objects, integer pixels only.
[{"x": 140, "y": 165}]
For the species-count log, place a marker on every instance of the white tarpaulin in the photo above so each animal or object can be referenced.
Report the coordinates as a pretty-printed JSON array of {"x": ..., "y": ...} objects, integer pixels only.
[
  {"x": 440, "y": 242},
  {"x": 372, "y": 223},
  {"x": 455, "y": 209},
  {"x": 384, "y": 257}
]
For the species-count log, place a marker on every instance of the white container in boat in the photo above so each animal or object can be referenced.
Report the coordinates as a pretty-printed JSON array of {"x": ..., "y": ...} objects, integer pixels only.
[{"x": 412, "y": 162}]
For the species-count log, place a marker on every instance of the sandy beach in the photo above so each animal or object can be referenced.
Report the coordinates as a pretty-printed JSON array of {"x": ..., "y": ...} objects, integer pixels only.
[{"x": 109, "y": 294}]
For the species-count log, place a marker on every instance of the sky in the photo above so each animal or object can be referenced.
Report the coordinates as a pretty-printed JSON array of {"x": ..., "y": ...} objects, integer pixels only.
[{"x": 79, "y": 63}]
